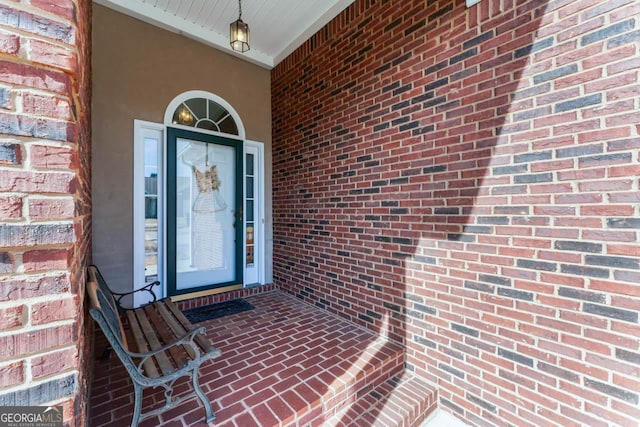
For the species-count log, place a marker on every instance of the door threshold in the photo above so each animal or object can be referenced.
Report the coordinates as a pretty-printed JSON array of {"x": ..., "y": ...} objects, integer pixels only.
[{"x": 191, "y": 295}]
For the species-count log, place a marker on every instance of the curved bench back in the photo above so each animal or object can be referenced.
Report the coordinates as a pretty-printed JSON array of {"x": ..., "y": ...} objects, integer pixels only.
[
  {"x": 106, "y": 303},
  {"x": 102, "y": 313}
]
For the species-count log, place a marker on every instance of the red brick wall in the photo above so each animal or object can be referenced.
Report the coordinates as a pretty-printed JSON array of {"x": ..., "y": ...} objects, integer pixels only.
[
  {"x": 466, "y": 181},
  {"x": 45, "y": 202}
]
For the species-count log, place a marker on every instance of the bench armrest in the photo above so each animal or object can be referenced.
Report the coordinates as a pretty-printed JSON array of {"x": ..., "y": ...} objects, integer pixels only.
[{"x": 117, "y": 296}]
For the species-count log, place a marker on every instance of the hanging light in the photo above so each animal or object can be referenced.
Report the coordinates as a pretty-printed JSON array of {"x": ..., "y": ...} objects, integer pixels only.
[{"x": 239, "y": 33}]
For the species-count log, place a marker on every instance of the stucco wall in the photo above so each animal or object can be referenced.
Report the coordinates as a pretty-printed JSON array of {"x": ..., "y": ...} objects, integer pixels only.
[{"x": 137, "y": 70}]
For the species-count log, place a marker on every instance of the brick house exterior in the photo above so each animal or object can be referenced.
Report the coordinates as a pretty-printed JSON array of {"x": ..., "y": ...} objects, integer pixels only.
[
  {"x": 465, "y": 180},
  {"x": 462, "y": 180},
  {"x": 45, "y": 203}
]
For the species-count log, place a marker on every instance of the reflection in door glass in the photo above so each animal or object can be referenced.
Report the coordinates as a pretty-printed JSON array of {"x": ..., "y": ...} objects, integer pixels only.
[
  {"x": 150, "y": 209},
  {"x": 249, "y": 202},
  {"x": 249, "y": 187},
  {"x": 205, "y": 221},
  {"x": 205, "y": 114}
]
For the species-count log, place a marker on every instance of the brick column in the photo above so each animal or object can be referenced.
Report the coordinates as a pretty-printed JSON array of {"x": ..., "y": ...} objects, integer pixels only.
[{"x": 44, "y": 202}]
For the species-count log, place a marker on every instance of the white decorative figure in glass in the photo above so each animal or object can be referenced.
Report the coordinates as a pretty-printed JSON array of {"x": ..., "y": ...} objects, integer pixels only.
[{"x": 207, "y": 233}]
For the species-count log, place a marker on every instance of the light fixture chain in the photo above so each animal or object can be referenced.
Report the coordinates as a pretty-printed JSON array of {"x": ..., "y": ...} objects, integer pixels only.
[{"x": 240, "y": 7}]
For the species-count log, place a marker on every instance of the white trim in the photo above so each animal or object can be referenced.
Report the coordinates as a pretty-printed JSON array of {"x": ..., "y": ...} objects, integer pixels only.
[
  {"x": 146, "y": 12},
  {"x": 472, "y": 2},
  {"x": 163, "y": 280},
  {"x": 142, "y": 129},
  {"x": 205, "y": 131},
  {"x": 259, "y": 223},
  {"x": 185, "y": 96},
  {"x": 316, "y": 26}
]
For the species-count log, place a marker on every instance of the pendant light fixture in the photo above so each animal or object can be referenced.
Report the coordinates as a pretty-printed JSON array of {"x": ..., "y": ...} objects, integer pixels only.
[{"x": 239, "y": 33}]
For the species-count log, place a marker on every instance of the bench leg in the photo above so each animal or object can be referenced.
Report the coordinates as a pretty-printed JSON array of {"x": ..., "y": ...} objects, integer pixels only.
[
  {"x": 137, "y": 405},
  {"x": 209, "y": 417}
]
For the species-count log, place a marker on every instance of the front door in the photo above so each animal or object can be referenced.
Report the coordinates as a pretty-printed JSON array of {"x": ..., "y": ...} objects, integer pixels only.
[{"x": 204, "y": 211}]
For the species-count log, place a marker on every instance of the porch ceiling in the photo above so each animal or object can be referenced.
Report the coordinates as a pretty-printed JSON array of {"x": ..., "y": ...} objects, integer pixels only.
[{"x": 278, "y": 27}]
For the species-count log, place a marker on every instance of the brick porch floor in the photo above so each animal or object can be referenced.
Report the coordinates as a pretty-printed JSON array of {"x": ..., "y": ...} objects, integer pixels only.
[{"x": 283, "y": 363}]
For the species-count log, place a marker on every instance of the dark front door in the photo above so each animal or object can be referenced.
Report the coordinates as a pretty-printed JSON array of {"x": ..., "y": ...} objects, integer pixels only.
[{"x": 204, "y": 211}]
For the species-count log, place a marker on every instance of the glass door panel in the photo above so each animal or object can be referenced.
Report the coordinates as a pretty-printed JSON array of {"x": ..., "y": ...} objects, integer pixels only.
[
  {"x": 151, "y": 230},
  {"x": 250, "y": 224},
  {"x": 148, "y": 208},
  {"x": 253, "y": 224},
  {"x": 204, "y": 212}
]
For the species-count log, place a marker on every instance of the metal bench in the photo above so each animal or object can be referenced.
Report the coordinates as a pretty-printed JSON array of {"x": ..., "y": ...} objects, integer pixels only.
[{"x": 159, "y": 346}]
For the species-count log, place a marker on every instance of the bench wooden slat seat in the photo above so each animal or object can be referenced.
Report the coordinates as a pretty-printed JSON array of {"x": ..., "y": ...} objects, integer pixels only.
[{"x": 159, "y": 346}]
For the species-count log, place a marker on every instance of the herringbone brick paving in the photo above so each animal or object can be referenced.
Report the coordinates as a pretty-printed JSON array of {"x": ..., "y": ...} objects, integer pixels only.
[{"x": 283, "y": 363}]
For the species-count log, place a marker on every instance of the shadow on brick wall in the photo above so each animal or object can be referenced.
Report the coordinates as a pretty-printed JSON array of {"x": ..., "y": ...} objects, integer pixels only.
[
  {"x": 416, "y": 148},
  {"x": 382, "y": 136}
]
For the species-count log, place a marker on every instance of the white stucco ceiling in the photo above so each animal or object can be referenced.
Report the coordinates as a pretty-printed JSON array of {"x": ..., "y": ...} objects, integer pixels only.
[{"x": 277, "y": 27}]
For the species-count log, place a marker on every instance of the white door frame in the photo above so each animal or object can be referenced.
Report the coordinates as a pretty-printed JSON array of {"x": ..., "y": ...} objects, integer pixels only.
[
  {"x": 257, "y": 149},
  {"x": 185, "y": 96},
  {"x": 143, "y": 129}
]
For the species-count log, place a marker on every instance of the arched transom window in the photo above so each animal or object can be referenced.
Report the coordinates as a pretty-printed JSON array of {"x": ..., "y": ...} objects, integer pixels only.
[{"x": 205, "y": 114}]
